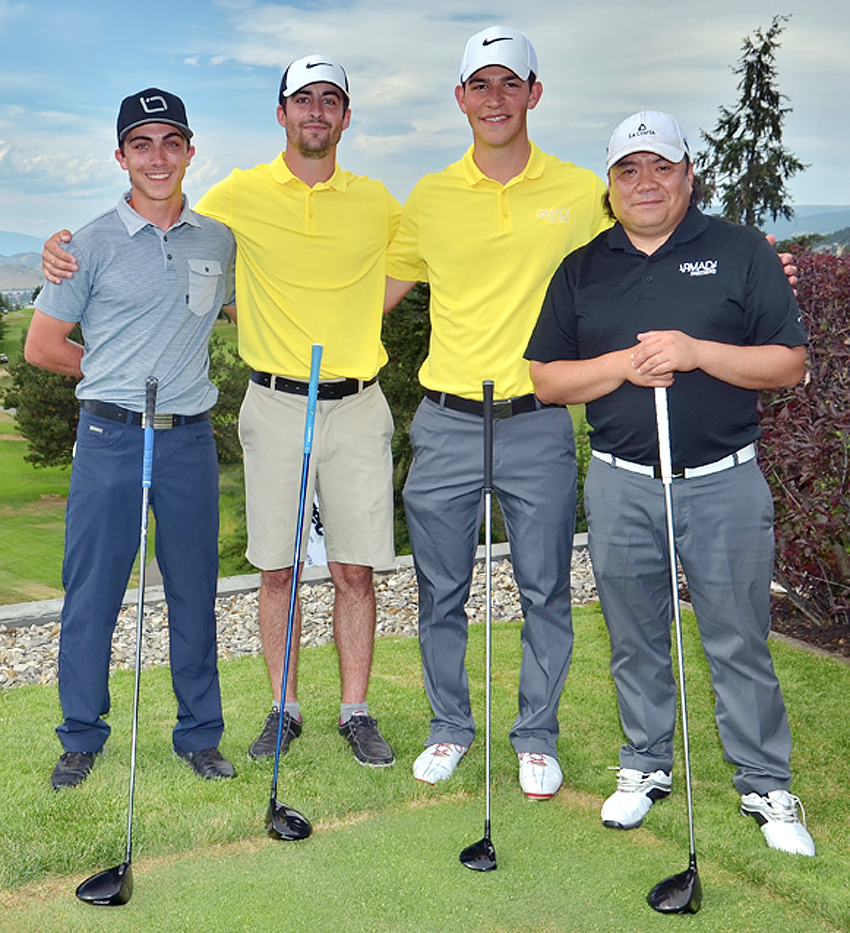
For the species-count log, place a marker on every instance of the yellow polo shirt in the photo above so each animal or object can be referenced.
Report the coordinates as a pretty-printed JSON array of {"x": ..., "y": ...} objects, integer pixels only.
[
  {"x": 488, "y": 251},
  {"x": 310, "y": 267}
]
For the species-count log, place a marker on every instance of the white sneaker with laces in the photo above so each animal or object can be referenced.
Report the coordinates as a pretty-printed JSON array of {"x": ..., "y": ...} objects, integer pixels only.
[
  {"x": 636, "y": 792},
  {"x": 438, "y": 762},
  {"x": 776, "y": 813},
  {"x": 540, "y": 775}
]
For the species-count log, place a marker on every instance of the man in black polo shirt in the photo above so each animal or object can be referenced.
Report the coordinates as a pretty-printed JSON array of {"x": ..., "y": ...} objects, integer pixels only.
[{"x": 671, "y": 297}]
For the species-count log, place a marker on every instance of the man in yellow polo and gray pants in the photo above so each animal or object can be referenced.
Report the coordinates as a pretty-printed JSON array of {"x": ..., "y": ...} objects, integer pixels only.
[{"x": 487, "y": 234}]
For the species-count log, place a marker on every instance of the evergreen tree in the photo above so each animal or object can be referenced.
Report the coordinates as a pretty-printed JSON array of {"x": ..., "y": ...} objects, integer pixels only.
[
  {"x": 47, "y": 410},
  {"x": 745, "y": 165}
]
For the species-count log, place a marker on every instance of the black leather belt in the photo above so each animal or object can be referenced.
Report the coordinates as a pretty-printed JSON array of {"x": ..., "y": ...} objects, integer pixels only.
[
  {"x": 125, "y": 415},
  {"x": 328, "y": 391},
  {"x": 502, "y": 408}
]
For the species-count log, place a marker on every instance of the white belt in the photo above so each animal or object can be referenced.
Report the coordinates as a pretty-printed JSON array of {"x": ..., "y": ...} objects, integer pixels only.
[{"x": 725, "y": 463}]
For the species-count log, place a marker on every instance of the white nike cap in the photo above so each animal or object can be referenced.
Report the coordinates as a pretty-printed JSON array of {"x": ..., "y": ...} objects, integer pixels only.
[
  {"x": 309, "y": 70},
  {"x": 499, "y": 45}
]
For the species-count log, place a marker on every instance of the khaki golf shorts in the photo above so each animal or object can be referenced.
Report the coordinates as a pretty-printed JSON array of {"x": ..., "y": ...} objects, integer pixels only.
[{"x": 350, "y": 470}]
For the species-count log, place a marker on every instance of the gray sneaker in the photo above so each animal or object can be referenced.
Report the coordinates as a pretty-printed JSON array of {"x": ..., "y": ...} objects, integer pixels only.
[{"x": 266, "y": 742}]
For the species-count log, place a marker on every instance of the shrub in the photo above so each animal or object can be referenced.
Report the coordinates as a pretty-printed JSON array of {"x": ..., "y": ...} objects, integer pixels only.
[
  {"x": 47, "y": 410},
  {"x": 405, "y": 335},
  {"x": 230, "y": 374},
  {"x": 805, "y": 449}
]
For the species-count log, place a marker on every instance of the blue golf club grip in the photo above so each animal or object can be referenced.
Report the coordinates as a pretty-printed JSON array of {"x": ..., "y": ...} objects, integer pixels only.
[
  {"x": 150, "y": 410},
  {"x": 487, "y": 387},
  {"x": 312, "y": 396}
]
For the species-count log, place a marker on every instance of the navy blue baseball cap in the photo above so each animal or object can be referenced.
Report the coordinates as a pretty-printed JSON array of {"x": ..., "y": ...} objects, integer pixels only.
[{"x": 152, "y": 106}]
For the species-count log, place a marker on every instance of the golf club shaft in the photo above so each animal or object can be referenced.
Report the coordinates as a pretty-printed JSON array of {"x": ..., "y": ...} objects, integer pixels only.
[
  {"x": 147, "y": 473},
  {"x": 312, "y": 400},
  {"x": 488, "y": 578},
  {"x": 665, "y": 453}
]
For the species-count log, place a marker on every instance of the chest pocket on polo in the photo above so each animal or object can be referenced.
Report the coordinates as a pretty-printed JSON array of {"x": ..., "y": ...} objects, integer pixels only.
[{"x": 204, "y": 276}]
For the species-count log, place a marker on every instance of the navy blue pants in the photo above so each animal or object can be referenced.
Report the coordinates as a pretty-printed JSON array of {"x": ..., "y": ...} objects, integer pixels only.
[{"x": 103, "y": 522}]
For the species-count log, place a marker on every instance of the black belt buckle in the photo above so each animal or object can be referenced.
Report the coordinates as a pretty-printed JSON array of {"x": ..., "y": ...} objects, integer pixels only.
[
  {"x": 503, "y": 408},
  {"x": 676, "y": 474}
]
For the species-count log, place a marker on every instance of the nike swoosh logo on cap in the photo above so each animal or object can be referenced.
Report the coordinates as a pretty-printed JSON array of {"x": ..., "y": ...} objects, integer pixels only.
[
  {"x": 487, "y": 42},
  {"x": 318, "y": 64}
]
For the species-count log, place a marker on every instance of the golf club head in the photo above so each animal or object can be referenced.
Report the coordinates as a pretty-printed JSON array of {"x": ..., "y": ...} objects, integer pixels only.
[
  {"x": 480, "y": 856},
  {"x": 679, "y": 894},
  {"x": 283, "y": 822},
  {"x": 108, "y": 888}
]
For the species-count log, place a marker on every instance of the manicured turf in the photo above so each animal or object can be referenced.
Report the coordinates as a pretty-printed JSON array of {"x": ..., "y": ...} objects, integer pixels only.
[
  {"x": 32, "y": 522},
  {"x": 384, "y": 851}
]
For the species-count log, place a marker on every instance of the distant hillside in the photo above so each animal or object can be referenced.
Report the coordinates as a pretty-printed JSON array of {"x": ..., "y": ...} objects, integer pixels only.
[
  {"x": 810, "y": 218},
  {"x": 13, "y": 243},
  {"x": 20, "y": 271},
  {"x": 841, "y": 236}
]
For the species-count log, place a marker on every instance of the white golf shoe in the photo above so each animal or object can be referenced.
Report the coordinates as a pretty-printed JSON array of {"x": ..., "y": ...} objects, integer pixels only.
[
  {"x": 776, "y": 813},
  {"x": 636, "y": 792},
  {"x": 438, "y": 762},
  {"x": 539, "y": 775}
]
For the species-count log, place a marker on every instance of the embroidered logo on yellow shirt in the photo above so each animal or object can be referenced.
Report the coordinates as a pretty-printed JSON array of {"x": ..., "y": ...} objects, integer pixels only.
[{"x": 555, "y": 215}]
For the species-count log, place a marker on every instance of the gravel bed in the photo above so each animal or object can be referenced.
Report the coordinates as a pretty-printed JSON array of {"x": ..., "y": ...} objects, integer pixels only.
[{"x": 28, "y": 654}]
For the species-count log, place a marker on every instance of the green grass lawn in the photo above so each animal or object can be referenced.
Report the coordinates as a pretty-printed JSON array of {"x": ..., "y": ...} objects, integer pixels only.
[
  {"x": 32, "y": 522},
  {"x": 384, "y": 852}
]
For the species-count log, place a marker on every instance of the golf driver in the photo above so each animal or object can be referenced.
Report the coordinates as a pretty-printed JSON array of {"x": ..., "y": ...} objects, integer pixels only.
[
  {"x": 682, "y": 893},
  {"x": 283, "y": 822},
  {"x": 114, "y": 886},
  {"x": 481, "y": 856}
]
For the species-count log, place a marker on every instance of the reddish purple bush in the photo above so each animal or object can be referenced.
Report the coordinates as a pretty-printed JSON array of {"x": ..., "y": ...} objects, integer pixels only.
[{"x": 805, "y": 450}]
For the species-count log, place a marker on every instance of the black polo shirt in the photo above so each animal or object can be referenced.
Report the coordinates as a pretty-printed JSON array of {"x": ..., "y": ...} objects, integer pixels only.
[{"x": 712, "y": 280}]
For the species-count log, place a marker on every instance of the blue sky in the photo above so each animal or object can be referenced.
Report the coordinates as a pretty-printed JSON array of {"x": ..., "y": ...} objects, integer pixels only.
[{"x": 64, "y": 68}]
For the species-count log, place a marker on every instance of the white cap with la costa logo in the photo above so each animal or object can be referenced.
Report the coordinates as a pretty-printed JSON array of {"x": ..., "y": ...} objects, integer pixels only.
[{"x": 648, "y": 131}]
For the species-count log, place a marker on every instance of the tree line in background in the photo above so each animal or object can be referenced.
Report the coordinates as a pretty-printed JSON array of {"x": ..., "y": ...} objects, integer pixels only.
[{"x": 5, "y": 306}]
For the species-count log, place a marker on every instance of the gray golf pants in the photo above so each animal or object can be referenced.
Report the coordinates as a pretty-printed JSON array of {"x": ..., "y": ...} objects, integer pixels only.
[
  {"x": 724, "y": 539},
  {"x": 534, "y": 476}
]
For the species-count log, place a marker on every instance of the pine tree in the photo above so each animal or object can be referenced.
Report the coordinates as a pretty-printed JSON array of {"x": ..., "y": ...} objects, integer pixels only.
[{"x": 745, "y": 165}]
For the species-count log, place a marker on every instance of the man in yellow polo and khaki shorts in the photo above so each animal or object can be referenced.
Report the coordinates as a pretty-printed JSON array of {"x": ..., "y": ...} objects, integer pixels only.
[{"x": 311, "y": 263}]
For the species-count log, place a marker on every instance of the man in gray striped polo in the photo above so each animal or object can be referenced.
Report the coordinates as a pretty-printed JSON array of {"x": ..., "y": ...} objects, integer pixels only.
[{"x": 153, "y": 277}]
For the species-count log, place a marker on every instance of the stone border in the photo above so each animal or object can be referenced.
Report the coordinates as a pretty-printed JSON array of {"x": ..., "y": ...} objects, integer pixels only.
[{"x": 18, "y": 615}]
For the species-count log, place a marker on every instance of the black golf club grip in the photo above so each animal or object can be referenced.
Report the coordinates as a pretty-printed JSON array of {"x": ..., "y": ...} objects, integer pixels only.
[
  {"x": 487, "y": 387},
  {"x": 151, "y": 384}
]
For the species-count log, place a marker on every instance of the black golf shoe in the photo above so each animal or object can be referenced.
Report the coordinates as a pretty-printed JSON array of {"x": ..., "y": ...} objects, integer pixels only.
[
  {"x": 366, "y": 741},
  {"x": 208, "y": 763},
  {"x": 266, "y": 742},
  {"x": 72, "y": 769}
]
